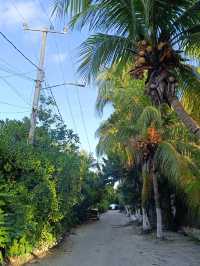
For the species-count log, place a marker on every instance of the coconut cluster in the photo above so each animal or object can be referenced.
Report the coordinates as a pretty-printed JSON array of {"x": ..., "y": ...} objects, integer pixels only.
[
  {"x": 148, "y": 145},
  {"x": 149, "y": 57}
]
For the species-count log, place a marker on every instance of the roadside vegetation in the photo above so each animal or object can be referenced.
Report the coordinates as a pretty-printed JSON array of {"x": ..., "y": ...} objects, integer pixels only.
[
  {"x": 142, "y": 56},
  {"x": 45, "y": 189}
]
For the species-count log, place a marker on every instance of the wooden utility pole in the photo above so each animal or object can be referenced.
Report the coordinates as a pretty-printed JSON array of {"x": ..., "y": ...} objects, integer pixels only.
[{"x": 39, "y": 80}]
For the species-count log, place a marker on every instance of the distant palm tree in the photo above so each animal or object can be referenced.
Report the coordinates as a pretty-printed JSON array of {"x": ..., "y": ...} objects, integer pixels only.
[
  {"x": 158, "y": 36},
  {"x": 158, "y": 151},
  {"x": 141, "y": 135}
]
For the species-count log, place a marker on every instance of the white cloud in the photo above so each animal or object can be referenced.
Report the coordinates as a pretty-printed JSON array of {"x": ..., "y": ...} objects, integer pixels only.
[
  {"x": 60, "y": 57},
  {"x": 12, "y": 13}
]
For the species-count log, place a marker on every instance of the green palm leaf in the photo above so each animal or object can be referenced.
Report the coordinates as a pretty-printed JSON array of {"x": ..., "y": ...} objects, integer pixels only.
[
  {"x": 150, "y": 116},
  {"x": 167, "y": 161},
  {"x": 100, "y": 51}
]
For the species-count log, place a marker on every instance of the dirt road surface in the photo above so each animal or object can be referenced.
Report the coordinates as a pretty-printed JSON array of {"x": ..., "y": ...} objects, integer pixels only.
[{"x": 111, "y": 242}]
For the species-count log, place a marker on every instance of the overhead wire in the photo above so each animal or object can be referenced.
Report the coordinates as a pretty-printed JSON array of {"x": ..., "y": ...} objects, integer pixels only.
[
  {"x": 66, "y": 92},
  {"x": 78, "y": 97},
  {"x": 62, "y": 72},
  {"x": 23, "y": 112},
  {"x": 56, "y": 105},
  {"x": 12, "y": 69},
  {"x": 15, "y": 90},
  {"x": 45, "y": 12},
  {"x": 80, "y": 105},
  {"x": 25, "y": 21},
  {"x": 13, "y": 105},
  {"x": 49, "y": 87},
  {"x": 12, "y": 74},
  {"x": 19, "y": 51},
  {"x": 61, "y": 68},
  {"x": 18, "y": 10},
  {"x": 83, "y": 119},
  {"x": 81, "y": 112}
]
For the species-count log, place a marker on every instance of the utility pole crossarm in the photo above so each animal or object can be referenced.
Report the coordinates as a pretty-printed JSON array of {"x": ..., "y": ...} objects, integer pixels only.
[{"x": 44, "y": 30}]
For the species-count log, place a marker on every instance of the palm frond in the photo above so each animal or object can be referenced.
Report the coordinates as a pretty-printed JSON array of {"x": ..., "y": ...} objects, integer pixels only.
[
  {"x": 188, "y": 149},
  {"x": 177, "y": 132},
  {"x": 167, "y": 161},
  {"x": 149, "y": 116},
  {"x": 189, "y": 90},
  {"x": 106, "y": 88},
  {"x": 193, "y": 195},
  {"x": 100, "y": 51},
  {"x": 104, "y": 16},
  {"x": 70, "y": 7},
  {"x": 189, "y": 16}
]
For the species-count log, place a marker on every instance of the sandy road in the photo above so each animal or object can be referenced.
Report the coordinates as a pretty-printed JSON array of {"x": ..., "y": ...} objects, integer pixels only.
[{"x": 110, "y": 242}]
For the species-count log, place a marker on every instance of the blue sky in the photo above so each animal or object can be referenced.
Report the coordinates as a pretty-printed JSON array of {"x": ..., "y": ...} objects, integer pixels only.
[{"x": 60, "y": 66}]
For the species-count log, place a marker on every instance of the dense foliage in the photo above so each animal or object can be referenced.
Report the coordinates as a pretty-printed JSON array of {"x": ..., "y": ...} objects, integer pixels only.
[
  {"x": 45, "y": 189},
  {"x": 155, "y": 43},
  {"x": 138, "y": 135},
  {"x": 158, "y": 38}
]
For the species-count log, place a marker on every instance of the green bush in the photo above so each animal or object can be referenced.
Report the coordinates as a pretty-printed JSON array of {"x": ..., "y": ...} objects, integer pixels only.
[{"x": 45, "y": 189}]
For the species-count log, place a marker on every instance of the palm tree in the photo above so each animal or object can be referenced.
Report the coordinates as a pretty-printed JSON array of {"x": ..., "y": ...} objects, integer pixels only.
[
  {"x": 140, "y": 139},
  {"x": 160, "y": 37},
  {"x": 114, "y": 137},
  {"x": 131, "y": 124}
]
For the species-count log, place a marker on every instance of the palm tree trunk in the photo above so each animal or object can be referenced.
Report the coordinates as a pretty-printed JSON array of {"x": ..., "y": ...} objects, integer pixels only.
[
  {"x": 145, "y": 221},
  {"x": 161, "y": 90},
  {"x": 157, "y": 202},
  {"x": 183, "y": 115},
  {"x": 145, "y": 190}
]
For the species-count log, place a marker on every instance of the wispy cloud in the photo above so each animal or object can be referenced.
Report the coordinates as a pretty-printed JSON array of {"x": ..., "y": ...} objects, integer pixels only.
[
  {"x": 59, "y": 57},
  {"x": 13, "y": 12}
]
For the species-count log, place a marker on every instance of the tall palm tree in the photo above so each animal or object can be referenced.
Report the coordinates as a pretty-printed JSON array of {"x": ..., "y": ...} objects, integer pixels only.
[
  {"x": 131, "y": 124},
  {"x": 114, "y": 137},
  {"x": 160, "y": 37},
  {"x": 160, "y": 152}
]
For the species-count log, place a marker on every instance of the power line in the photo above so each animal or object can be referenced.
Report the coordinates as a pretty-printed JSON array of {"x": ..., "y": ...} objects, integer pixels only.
[
  {"x": 14, "y": 112},
  {"x": 52, "y": 95},
  {"x": 15, "y": 90},
  {"x": 63, "y": 77},
  {"x": 78, "y": 97},
  {"x": 80, "y": 105},
  {"x": 13, "y": 45},
  {"x": 13, "y": 105},
  {"x": 44, "y": 11},
  {"x": 83, "y": 120},
  {"x": 61, "y": 69},
  {"x": 64, "y": 84},
  {"x": 48, "y": 94},
  {"x": 12, "y": 73},
  {"x": 18, "y": 10},
  {"x": 12, "y": 69}
]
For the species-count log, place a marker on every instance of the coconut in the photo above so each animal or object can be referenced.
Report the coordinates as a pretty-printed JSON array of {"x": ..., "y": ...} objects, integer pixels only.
[
  {"x": 141, "y": 53},
  {"x": 171, "y": 79},
  {"x": 161, "y": 45},
  {"x": 149, "y": 49},
  {"x": 144, "y": 43},
  {"x": 137, "y": 64},
  {"x": 141, "y": 60},
  {"x": 176, "y": 84},
  {"x": 153, "y": 86}
]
